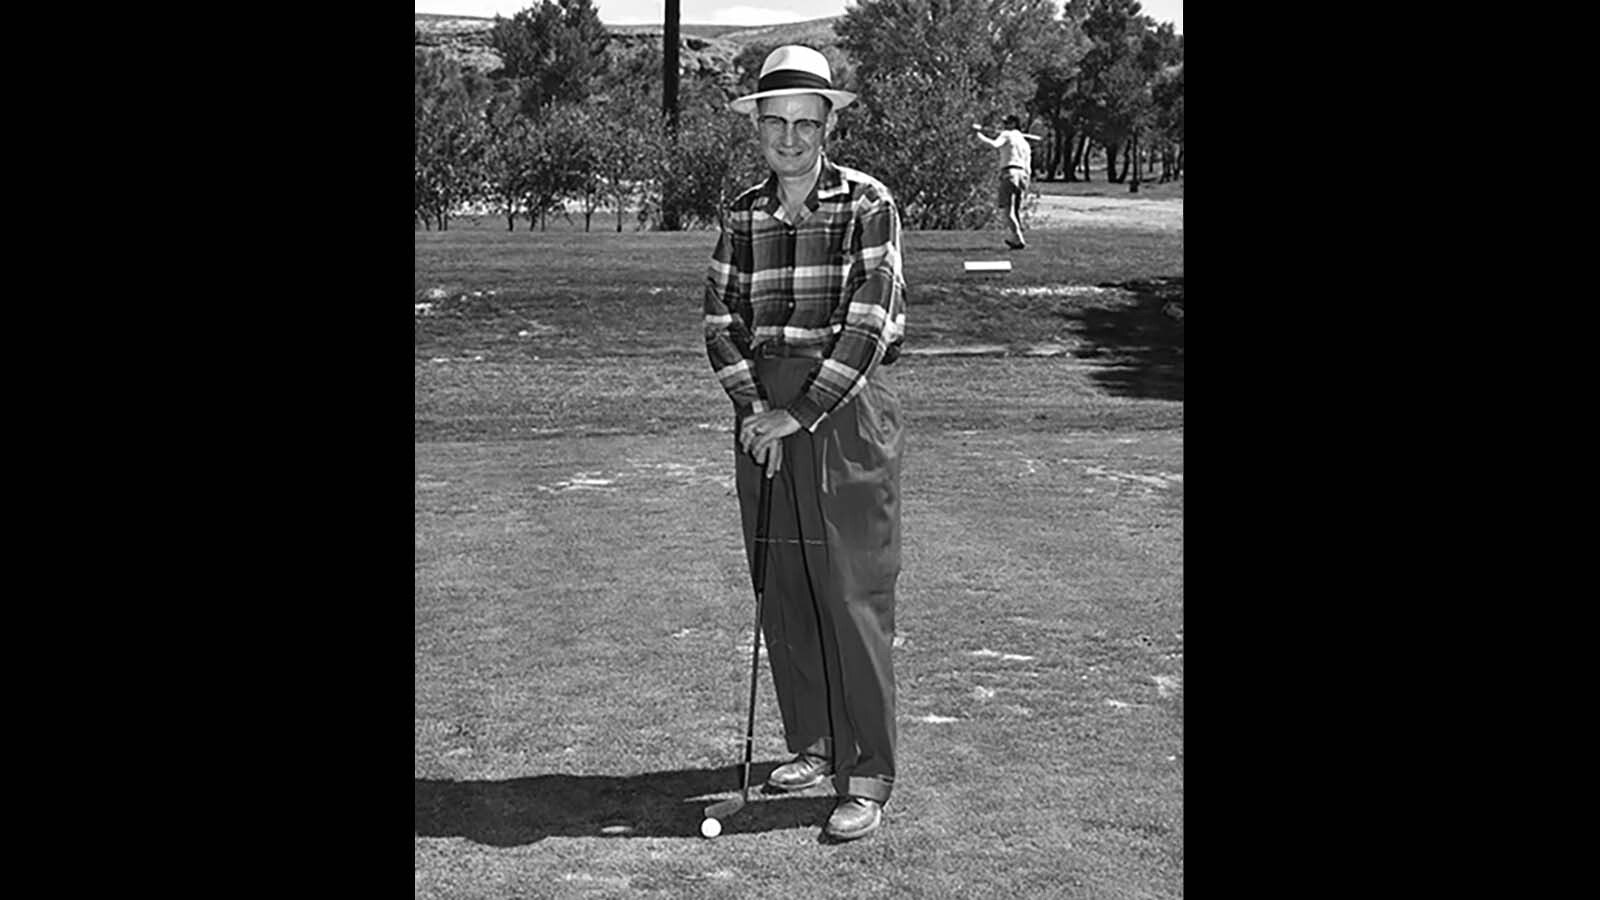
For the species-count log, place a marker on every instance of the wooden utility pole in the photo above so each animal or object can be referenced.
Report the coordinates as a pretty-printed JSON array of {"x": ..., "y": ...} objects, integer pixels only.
[
  {"x": 669, "y": 66},
  {"x": 670, "y": 220}
]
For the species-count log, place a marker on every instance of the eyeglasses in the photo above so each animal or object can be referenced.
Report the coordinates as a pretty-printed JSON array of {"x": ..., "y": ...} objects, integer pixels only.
[{"x": 774, "y": 126}]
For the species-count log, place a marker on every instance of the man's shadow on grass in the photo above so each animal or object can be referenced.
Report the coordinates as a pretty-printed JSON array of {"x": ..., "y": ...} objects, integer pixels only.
[
  {"x": 1141, "y": 342},
  {"x": 521, "y": 811}
]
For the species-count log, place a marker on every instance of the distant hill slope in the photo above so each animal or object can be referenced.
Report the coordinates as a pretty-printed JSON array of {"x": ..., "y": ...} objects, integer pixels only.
[
  {"x": 704, "y": 31},
  {"x": 466, "y": 38},
  {"x": 812, "y": 33}
]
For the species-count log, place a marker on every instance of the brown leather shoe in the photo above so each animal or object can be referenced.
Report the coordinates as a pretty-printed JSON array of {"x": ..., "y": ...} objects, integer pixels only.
[
  {"x": 802, "y": 772},
  {"x": 854, "y": 817}
]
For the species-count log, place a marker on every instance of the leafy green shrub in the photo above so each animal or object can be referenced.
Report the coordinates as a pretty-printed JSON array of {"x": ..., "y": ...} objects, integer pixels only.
[{"x": 913, "y": 132}]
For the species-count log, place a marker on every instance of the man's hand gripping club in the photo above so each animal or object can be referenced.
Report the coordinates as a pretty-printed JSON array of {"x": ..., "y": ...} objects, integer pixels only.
[{"x": 761, "y": 435}]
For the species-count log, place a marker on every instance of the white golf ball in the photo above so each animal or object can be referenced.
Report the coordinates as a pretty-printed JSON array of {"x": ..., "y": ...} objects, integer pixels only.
[{"x": 710, "y": 828}]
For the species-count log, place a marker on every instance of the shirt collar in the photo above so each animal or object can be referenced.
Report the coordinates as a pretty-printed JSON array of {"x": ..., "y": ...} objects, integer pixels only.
[{"x": 829, "y": 182}]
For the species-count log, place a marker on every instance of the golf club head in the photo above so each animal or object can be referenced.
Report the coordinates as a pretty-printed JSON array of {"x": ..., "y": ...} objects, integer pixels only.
[{"x": 724, "y": 808}]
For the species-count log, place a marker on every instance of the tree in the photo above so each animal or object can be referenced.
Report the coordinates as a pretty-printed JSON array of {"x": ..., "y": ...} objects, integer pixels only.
[
  {"x": 629, "y": 137},
  {"x": 1055, "y": 100},
  {"x": 747, "y": 66},
  {"x": 554, "y": 51},
  {"x": 926, "y": 70},
  {"x": 995, "y": 45},
  {"x": 680, "y": 181},
  {"x": 917, "y": 138},
  {"x": 1157, "y": 50},
  {"x": 1123, "y": 106},
  {"x": 1125, "y": 52},
  {"x": 586, "y": 127},
  {"x": 1167, "y": 95},
  {"x": 557, "y": 158},
  {"x": 714, "y": 157},
  {"x": 508, "y": 158},
  {"x": 449, "y": 137}
]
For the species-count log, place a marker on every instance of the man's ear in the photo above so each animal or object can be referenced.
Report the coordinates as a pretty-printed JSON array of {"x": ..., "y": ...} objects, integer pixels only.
[{"x": 833, "y": 122}]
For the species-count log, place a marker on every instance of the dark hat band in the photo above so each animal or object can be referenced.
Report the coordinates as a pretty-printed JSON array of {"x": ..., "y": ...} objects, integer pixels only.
[{"x": 792, "y": 78}]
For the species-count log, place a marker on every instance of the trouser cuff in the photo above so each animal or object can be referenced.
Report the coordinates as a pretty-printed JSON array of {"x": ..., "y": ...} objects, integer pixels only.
[
  {"x": 871, "y": 788},
  {"x": 822, "y": 747}
]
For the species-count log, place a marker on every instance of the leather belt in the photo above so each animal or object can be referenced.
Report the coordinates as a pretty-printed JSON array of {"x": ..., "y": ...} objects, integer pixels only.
[{"x": 770, "y": 350}]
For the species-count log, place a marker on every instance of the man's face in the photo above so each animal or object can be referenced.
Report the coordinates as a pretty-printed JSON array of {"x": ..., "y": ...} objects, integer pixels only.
[{"x": 789, "y": 152}]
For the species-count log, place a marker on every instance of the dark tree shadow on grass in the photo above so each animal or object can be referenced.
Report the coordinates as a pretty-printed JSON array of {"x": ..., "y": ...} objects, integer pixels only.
[
  {"x": 521, "y": 811},
  {"x": 1140, "y": 342}
]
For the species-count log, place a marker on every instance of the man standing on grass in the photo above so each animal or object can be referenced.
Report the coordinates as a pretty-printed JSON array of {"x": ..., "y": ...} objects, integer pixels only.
[
  {"x": 804, "y": 310},
  {"x": 1016, "y": 167}
]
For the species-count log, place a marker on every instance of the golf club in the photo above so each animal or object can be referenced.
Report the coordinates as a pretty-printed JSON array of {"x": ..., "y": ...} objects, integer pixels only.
[{"x": 720, "y": 810}]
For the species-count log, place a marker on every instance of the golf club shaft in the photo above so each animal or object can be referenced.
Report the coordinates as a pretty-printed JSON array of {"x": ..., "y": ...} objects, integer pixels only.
[
  {"x": 763, "y": 522},
  {"x": 724, "y": 808}
]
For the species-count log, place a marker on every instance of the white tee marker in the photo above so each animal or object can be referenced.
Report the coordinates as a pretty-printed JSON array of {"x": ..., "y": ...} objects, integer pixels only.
[{"x": 987, "y": 265}]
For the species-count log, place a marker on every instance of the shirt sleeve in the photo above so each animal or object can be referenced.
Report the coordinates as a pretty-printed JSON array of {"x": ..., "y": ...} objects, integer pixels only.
[
  {"x": 727, "y": 332},
  {"x": 874, "y": 319}
]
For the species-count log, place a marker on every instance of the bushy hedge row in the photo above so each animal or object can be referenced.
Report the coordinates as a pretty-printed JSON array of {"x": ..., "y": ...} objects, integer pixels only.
[{"x": 476, "y": 148}]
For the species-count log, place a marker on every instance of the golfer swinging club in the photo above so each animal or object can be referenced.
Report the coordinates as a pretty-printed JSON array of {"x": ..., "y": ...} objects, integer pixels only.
[
  {"x": 1016, "y": 167},
  {"x": 804, "y": 311}
]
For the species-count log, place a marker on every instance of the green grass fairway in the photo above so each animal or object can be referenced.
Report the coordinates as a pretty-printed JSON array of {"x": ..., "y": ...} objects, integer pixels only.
[{"x": 583, "y": 617}]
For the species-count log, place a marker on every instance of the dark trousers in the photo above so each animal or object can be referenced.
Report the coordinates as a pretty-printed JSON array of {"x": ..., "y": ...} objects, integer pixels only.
[
  {"x": 834, "y": 545},
  {"x": 1013, "y": 188}
]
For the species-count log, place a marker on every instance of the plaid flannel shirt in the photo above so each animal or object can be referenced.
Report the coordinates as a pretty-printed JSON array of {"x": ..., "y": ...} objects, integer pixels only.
[{"x": 832, "y": 281}]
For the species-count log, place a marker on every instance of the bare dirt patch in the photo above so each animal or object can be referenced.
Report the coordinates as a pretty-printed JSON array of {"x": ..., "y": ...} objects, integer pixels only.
[{"x": 1057, "y": 211}]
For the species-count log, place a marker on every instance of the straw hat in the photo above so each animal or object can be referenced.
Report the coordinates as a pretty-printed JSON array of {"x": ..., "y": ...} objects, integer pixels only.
[{"x": 794, "y": 69}]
